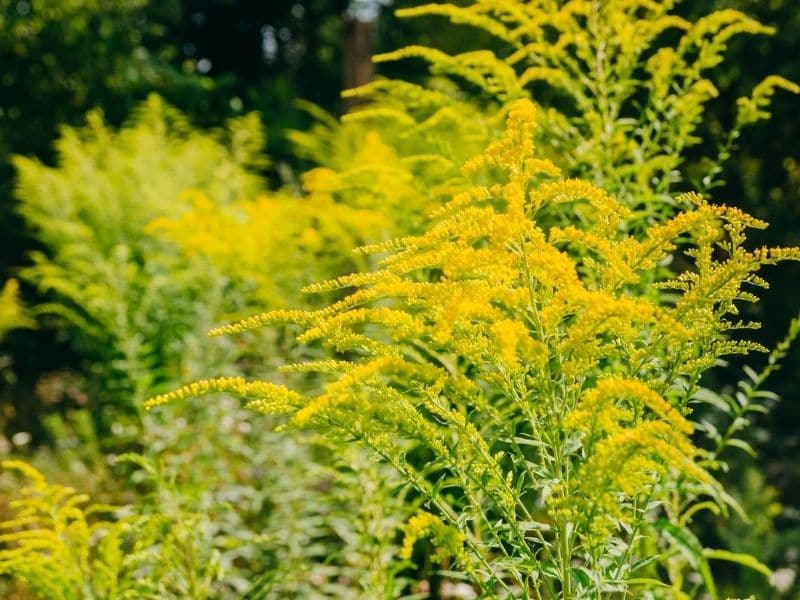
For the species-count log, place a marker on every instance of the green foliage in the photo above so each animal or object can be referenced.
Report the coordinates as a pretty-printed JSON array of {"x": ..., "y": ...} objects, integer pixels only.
[
  {"x": 61, "y": 58},
  {"x": 229, "y": 508},
  {"x": 60, "y": 548},
  {"x": 134, "y": 270},
  {"x": 127, "y": 299},
  {"x": 286, "y": 516}
]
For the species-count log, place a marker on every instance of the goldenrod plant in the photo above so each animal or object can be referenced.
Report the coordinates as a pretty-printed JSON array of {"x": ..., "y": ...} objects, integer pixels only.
[
  {"x": 114, "y": 290},
  {"x": 622, "y": 109},
  {"x": 417, "y": 137},
  {"x": 380, "y": 159},
  {"x": 527, "y": 365},
  {"x": 624, "y": 85},
  {"x": 371, "y": 181},
  {"x": 314, "y": 236},
  {"x": 57, "y": 546}
]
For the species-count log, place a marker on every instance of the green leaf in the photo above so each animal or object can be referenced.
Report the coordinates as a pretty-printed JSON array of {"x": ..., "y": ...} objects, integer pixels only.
[
  {"x": 582, "y": 576},
  {"x": 550, "y": 569},
  {"x": 740, "y": 558},
  {"x": 646, "y": 581},
  {"x": 691, "y": 548},
  {"x": 524, "y": 441},
  {"x": 756, "y": 408},
  {"x": 709, "y": 397},
  {"x": 533, "y": 526},
  {"x": 750, "y": 373},
  {"x": 643, "y": 562},
  {"x": 742, "y": 445}
]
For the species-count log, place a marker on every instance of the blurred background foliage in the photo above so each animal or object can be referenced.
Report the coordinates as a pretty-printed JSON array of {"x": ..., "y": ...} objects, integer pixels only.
[{"x": 110, "y": 110}]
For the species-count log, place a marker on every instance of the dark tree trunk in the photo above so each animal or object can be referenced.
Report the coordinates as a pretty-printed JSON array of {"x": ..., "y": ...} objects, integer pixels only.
[{"x": 358, "y": 67}]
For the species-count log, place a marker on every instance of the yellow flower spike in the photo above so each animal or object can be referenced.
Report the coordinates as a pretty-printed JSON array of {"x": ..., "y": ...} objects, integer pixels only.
[
  {"x": 26, "y": 470},
  {"x": 13, "y": 314},
  {"x": 280, "y": 398},
  {"x": 400, "y": 323},
  {"x": 509, "y": 336},
  {"x": 320, "y": 181},
  {"x": 615, "y": 389},
  {"x": 608, "y": 212},
  {"x": 261, "y": 320},
  {"x": 425, "y": 525}
]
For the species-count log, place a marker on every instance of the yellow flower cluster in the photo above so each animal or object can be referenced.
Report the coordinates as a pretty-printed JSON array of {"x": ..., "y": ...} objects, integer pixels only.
[
  {"x": 509, "y": 336},
  {"x": 596, "y": 407},
  {"x": 423, "y": 525},
  {"x": 516, "y": 147},
  {"x": 633, "y": 438},
  {"x": 266, "y": 397},
  {"x": 275, "y": 265}
]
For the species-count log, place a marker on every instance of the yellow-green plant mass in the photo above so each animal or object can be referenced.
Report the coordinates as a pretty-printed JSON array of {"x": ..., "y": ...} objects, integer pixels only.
[
  {"x": 53, "y": 531},
  {"x": 63, "y": 548},
  {"x": 530, "y": 347},
  {"x": 13, "y": 314}
]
